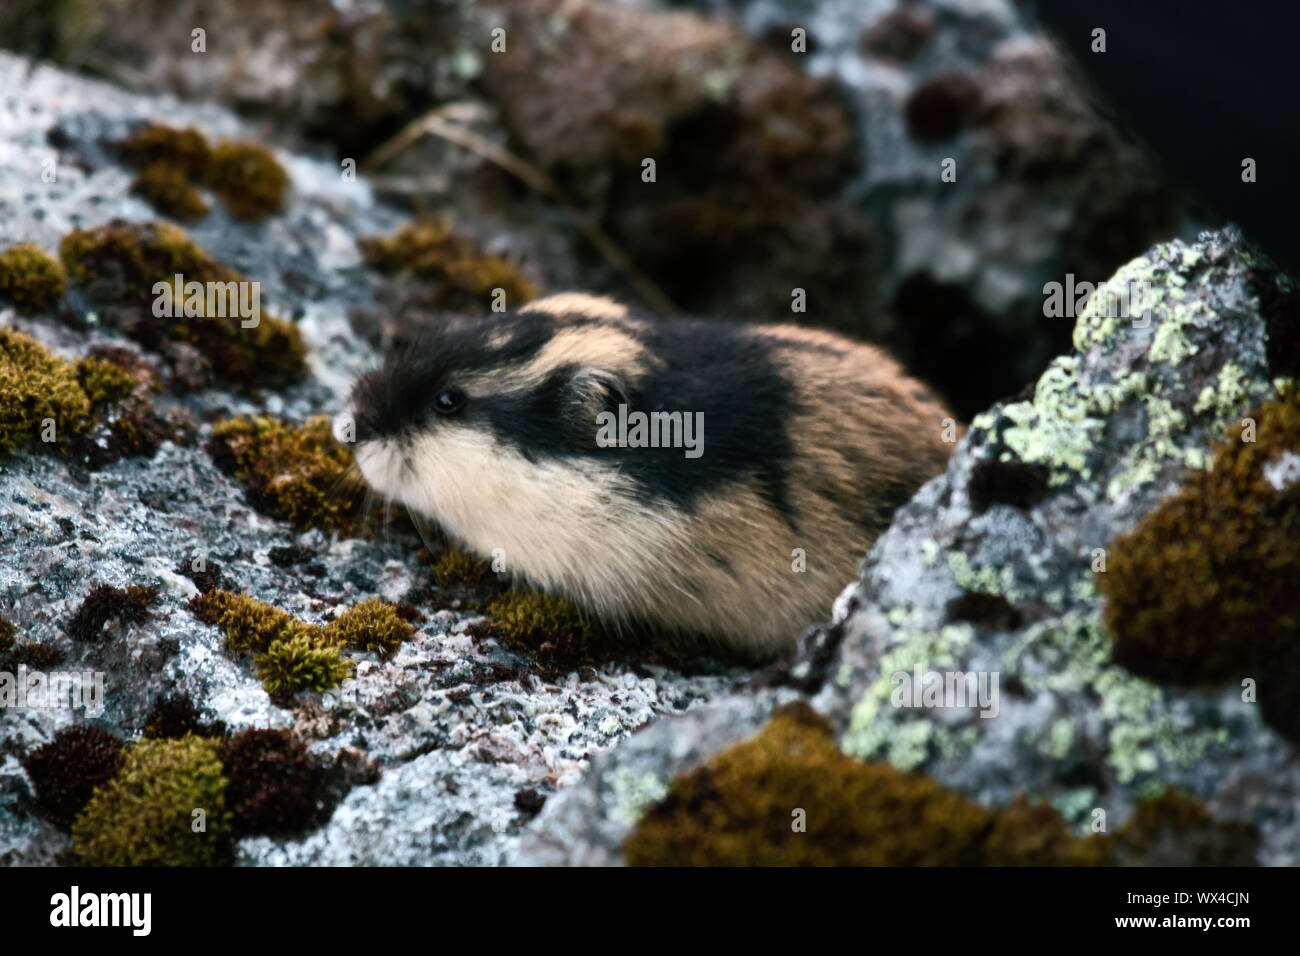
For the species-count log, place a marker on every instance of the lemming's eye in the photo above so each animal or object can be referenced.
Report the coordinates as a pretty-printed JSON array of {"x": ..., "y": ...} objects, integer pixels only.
[{"x": 449, "y": 401}]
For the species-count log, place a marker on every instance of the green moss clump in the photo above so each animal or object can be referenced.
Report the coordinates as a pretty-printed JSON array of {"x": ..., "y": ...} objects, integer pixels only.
[
  {"x": 739, "y": 810},
  {"x": 66, "y": 771},
  {"x": 525, "y": 621},
  {"x": 145, "y": 815},
  {"x": 372, "y": 625},
  {"x": 168, "y": 190},
  {"x": 289, "y": 654},
  {"x": 466, "y": 277},
  {"x": 104, "y": 382},
  {"x": 118, "y": 265},
  {"x": 457, "y": 568},
  {"x": 184, "y": 150},
  {"x": 1203, "y": 589},
  {"x": 31, "y": 279},
  {"x": 36, "y": 385},
  {"x": 296, "y": 472},
  {"x": 249, "y": 179},
  {"x": 250, "y": 626},
  {"x": 300, "y": 662}
]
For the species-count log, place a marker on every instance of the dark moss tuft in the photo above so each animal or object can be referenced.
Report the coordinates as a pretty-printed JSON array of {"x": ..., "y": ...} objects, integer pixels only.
[
  {"x": 7, "y": 633},
  {"x": 1175, "y": 830},
  {"x": 107, "y": 603},
  {"x": 66, "y": 771},
  {"x": 205, "y": 578},
  {"x": 1202, "y": 591},
  {"x": 172, "y": 717},
  {"x": 31, "y": 278},
  {"x": 275, "y": 788},
  {"x": 34, "y": 654},
  {"x": 296, "y": 472},
  {"x": 942, "y": 107},
  {"x": 1012, "y": 483}
]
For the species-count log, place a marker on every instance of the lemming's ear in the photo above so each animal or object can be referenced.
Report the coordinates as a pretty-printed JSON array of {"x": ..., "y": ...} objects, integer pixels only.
[{"x": 596, "y": 390}]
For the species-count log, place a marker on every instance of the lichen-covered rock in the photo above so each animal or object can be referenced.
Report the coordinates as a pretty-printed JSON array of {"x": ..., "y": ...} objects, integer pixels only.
[{"x": 993, "y": 569}]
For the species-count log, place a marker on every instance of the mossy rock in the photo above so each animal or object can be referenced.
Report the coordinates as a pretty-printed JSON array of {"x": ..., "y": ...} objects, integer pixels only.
[
  {"x": 1202, "y": 590},
  {"x": 146, "y": 815},
  {"x": 789, "y": 796},
  {"x": 31, "y": 279},
  {"x": 118, "y": 266}
]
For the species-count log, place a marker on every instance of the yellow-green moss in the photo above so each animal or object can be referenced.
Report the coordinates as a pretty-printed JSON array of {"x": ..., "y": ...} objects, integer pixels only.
[
  {"x": 300, "y": 662},
  {"x": 466, "y": 276},
  {"x": 145, "y": 816},
  {"x": 104, "y": 382},
  {"x": 249, "y": 180},
  {"x": 167, "y": 189},
  {"x": 248, "y": 624},
  {"x": 296, "y": 472},
  {"x": 526, "y": 620},
  {"x": 36, "y": 385},
  {"x": 117, "y": 266},
  {"x": 372, "y": 625},
  {"x": 31, "y": 279},
  {"x": 289, "y": 654},
  {"x": 1204, "y": 588},
  {"x": 457, "y": 568}
]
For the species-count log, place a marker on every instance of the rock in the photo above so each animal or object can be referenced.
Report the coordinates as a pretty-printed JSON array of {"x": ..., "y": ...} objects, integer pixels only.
[{"x": 991, "y": 569}]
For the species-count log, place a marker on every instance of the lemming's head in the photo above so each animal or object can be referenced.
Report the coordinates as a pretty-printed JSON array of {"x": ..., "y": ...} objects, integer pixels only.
[{"x": 470, "y": 395}]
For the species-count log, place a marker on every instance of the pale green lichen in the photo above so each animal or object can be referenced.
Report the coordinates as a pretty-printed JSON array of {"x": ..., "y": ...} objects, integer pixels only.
[
  {"x": 633, "y": 794},
  {"x": 1073, "y": 652},
  {"x": 1097, "y": 322},
  {"x": 985, "y": 580},
  {"x": 872, "y": 733}
]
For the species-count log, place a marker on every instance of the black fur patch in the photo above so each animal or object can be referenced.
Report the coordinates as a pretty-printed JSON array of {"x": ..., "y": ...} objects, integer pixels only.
[{"x": 719, "y": 369}]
